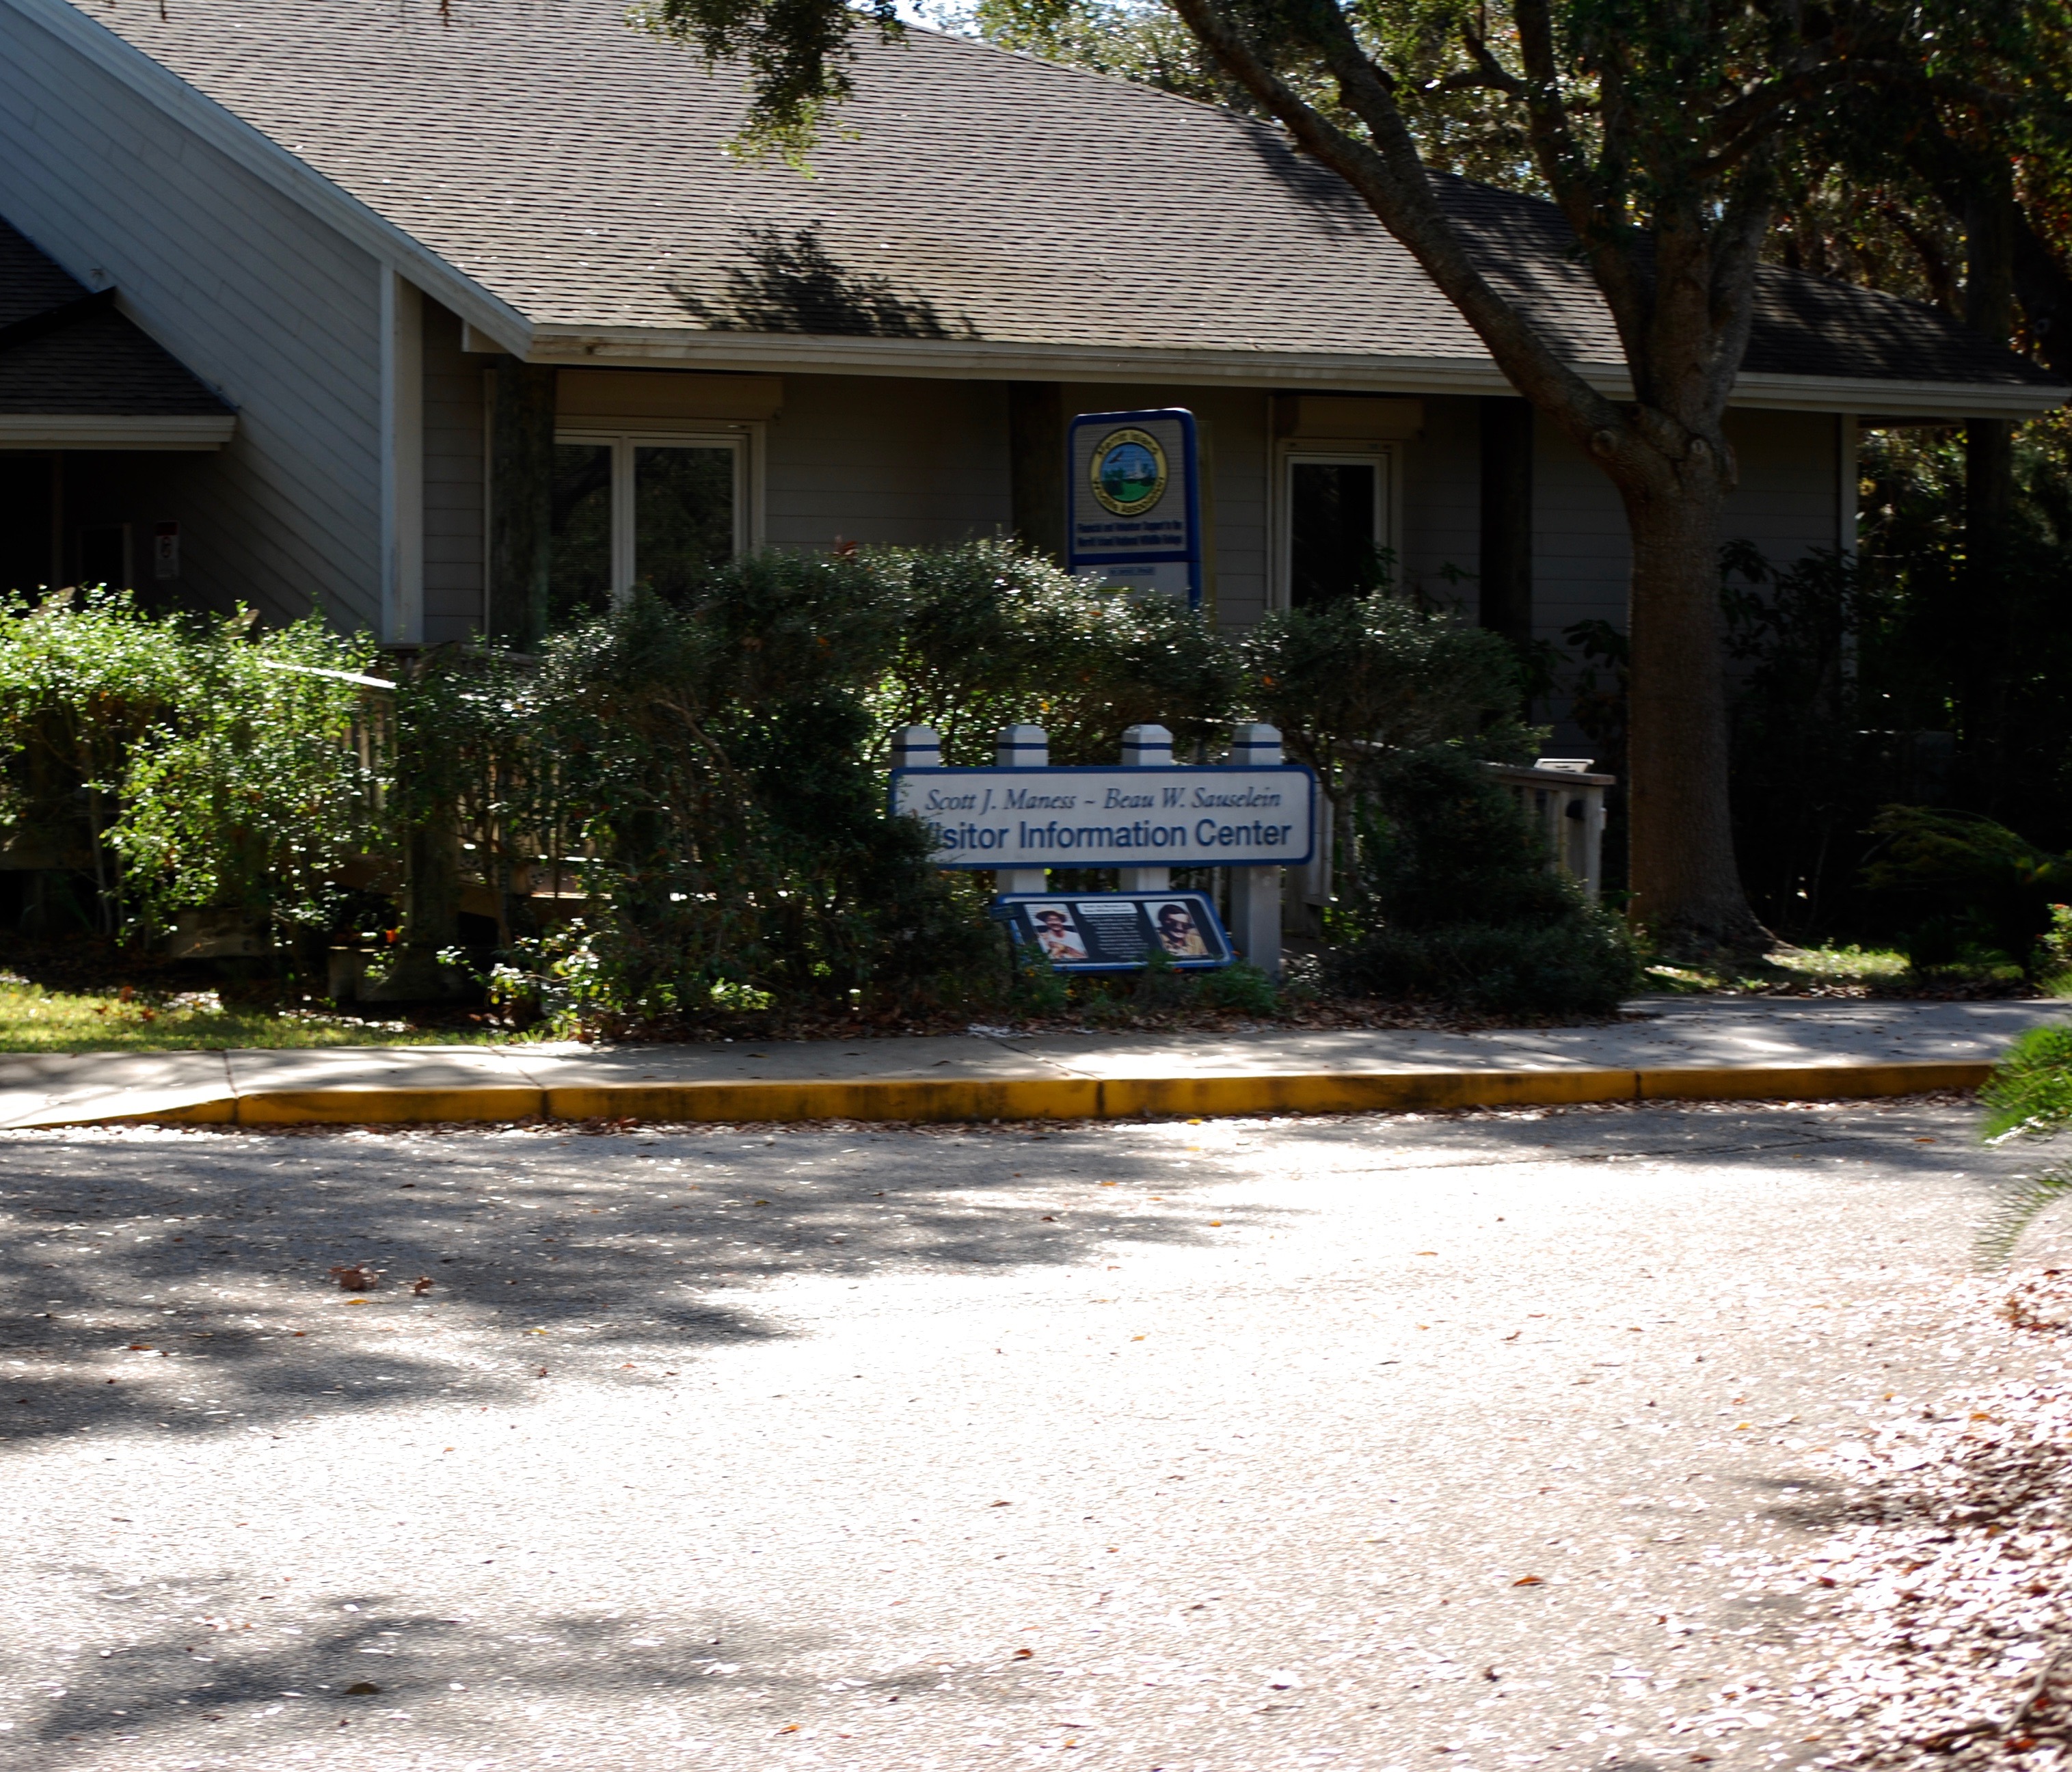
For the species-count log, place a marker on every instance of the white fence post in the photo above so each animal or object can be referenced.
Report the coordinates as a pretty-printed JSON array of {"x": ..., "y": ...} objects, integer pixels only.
[
  {"x": 1022, "y": 747},
  {"x": 1146, "y": 747},
  {"x": 1256, "y": 892}
]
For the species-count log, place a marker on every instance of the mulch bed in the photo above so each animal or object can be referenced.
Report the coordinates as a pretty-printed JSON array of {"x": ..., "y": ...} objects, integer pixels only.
[{"x": 1936, "y": 1630}]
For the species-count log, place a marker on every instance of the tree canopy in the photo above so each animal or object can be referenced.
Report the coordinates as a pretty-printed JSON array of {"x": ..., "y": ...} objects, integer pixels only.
[{"x": 1672, "y": 134}]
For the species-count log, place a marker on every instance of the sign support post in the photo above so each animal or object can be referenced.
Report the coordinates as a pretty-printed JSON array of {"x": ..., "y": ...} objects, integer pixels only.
[
  {"x": 1147, "y": 747},
  {"x": 1256, "y": 892},
  {"x": 1022, "y": 747}
]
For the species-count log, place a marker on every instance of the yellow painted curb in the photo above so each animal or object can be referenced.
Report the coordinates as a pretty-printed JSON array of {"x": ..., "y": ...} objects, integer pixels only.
[
  {"x": 1807, "y": 1081},
  {"x": 1062, "y": 1097},
  {"x": 387, "y": 1106}
]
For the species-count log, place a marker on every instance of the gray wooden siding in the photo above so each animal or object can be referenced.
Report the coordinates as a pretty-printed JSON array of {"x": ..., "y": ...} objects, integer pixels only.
[
  {"x": 453, "y": 475},
  {"x": 269, "y": 307},
  {"x": 912, "y": 463},
  {"x": 1441, "y": 487},
  {"x": 1787, "y": 502}
]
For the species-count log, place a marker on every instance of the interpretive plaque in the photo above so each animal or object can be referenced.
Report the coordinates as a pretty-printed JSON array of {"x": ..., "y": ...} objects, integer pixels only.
[{"x": 1117, "y": 931}]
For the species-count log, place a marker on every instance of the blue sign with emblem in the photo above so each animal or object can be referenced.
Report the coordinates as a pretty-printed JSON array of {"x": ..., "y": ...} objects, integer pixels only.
[{"x": 1134, "y": 502}]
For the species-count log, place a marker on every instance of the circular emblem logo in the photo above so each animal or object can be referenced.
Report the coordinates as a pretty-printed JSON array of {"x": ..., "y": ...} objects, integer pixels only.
[{"x": 1128, "y": 472}]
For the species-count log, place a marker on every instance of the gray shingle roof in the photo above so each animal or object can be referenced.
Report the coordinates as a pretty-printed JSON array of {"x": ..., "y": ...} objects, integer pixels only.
[
  {"x": 93, "y": 362},
  {"x": 573, "y": 169}
]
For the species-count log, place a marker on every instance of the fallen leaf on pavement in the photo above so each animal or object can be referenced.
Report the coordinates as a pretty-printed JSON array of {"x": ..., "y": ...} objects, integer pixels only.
[
  {"x": 1527, "y": 1581},
  {"x": 356, "y": 1276}
]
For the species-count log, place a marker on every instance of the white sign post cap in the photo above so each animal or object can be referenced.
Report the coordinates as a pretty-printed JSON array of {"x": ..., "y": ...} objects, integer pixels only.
[
  {"x": 917, "y": 747},
  {"x": 1146, "y": 746},
  {"x": 1255, "y": 742},
  {"x": 1022, "y": 747}
]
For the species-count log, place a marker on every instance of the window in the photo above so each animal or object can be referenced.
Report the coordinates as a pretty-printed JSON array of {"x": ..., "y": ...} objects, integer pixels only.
[
  {"x": 655, "y": 510},
  {"x": 1336, "y": 509}
]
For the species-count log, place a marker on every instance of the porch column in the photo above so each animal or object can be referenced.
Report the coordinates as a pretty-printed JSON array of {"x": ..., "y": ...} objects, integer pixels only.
[
  {"x": 402, "y": 462},
  {"x": 521, "y": 512}
]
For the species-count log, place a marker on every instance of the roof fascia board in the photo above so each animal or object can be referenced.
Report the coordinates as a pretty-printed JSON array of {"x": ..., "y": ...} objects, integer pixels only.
[
  {"x": 809, "y": 354},
  {"x": 1950, "y": 400},
  {"x": 115, "y": 430},
  {"x": 267, "y": 160}
]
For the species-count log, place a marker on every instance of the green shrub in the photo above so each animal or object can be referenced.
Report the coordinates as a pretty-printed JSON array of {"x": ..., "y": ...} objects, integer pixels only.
[
  {"x": 192, "y": 761},
  {"x": 2029, "y": 1096},
  {"x": 716, "y": 758},
  {"x": 1378, "y": 670},
  {"x": 1970, "y": 882},
  {"x": 991, "y": 635},
  {"x": 1454, "y": 901}
]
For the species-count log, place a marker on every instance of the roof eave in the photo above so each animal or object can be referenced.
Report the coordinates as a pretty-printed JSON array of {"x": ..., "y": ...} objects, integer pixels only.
[
  {"x": 1873, "y": 398},
  {"x": 182, "y": 431},
  {"x": 965, "y": 359}
]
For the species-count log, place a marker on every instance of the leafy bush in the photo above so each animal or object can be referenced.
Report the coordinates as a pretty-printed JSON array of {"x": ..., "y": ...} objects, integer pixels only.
[
  {"x": 709, "y": 768},
  {"x": 718, "y": 760},
  {"x": 189, "y": 761},
  {"x": 2029, "y": 1096},
  {"x": 1454, "y": 900},
  {"x": 990, "y": 634},
  {"x": 1971, "y": 882},
  {"x": 1378, "y": 670}
]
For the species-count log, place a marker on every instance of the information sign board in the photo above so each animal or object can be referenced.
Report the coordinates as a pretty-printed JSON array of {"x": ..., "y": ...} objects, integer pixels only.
[
  {"x": 1116, "y": 932},
  {"x": 1133, "y": 503},
  {"x": 1172, "y": 816}
]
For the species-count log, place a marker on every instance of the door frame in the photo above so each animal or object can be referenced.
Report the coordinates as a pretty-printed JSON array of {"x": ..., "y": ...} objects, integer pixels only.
[{"x": 1386, "y": 457}]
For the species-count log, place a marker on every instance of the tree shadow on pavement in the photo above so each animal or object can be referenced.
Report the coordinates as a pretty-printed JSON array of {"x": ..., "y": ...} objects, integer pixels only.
[
  {"x": 227, "y": 1679},
  {"x": 181, "y": 1283}
]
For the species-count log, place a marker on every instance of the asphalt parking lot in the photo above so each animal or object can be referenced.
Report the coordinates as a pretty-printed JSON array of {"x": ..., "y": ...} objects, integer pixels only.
[{"x": 1367, "y": 1442}]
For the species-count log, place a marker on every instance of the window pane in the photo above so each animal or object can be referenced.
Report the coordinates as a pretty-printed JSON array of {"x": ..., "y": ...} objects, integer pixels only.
[
  {"x": 683, "y": 516},
  {"x": 1333, "y": 549},
  {"x": 579, "y": 574}
]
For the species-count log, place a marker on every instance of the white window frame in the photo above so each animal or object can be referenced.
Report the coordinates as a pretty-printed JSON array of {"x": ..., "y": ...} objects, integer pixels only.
[
  {"x": 1334, "y": 452},
  {"x": 744, "y": 440}
]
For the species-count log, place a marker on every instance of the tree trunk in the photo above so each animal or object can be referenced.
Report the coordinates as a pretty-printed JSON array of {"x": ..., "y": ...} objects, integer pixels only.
[{"x": 1686, "y": 889}]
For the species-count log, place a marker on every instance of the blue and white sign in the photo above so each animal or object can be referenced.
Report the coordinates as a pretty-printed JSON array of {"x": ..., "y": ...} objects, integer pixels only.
[
  {"x": 1134, "y": 505},
  {"x": 1183, "y": 816}
]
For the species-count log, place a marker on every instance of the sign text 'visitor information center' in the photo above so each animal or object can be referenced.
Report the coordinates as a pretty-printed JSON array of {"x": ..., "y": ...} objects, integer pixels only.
[{"x": 1181, "y": 816}]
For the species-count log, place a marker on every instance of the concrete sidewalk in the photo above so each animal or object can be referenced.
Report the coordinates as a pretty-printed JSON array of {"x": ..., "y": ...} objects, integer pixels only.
[{"x": 1688, "y": 1048}]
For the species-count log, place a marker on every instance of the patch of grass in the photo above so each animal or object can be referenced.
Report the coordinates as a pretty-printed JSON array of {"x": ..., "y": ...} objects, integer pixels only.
[
  {"x": 1680, "y": 981},
  {"x": 1854, "y": 971},
  {"x": 1841, "y": 965},
  {"x": 33, "y": 1019}
]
